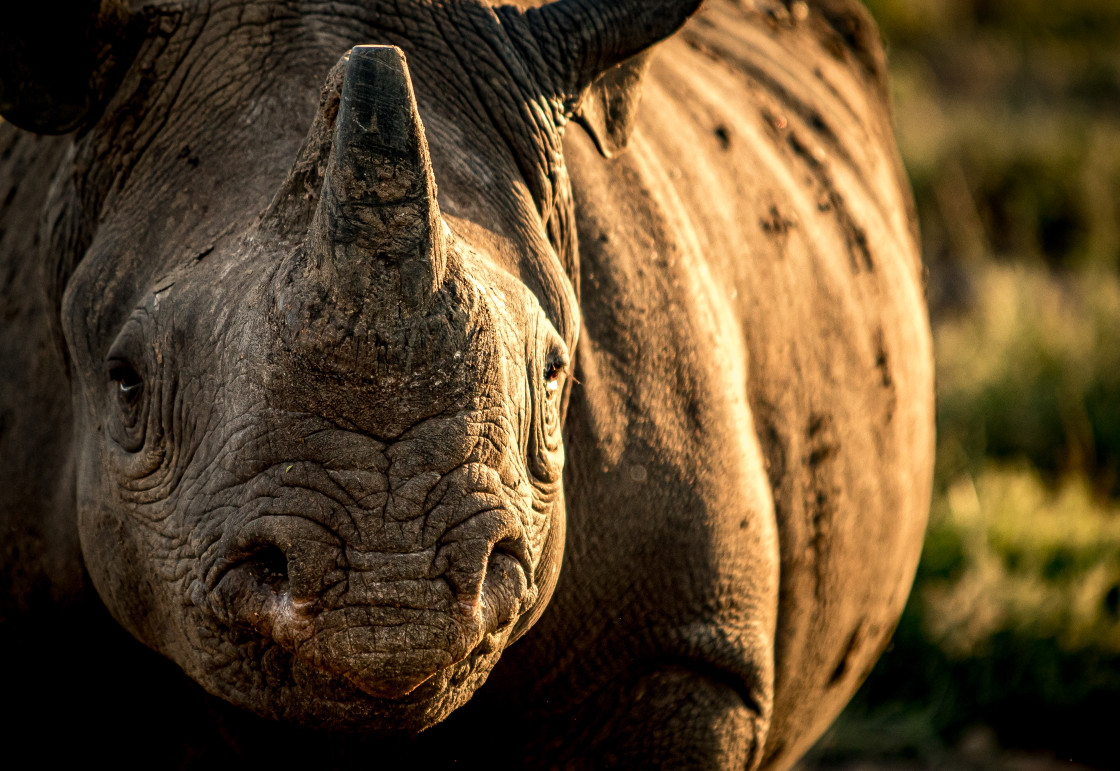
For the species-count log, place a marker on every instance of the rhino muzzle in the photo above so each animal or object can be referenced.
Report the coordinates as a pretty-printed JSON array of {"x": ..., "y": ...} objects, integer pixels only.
[{"x": 386, "y": 622}]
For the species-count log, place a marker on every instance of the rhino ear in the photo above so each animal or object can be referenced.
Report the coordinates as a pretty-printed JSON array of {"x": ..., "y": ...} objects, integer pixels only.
[
  {"x": 609, "y": 109},
  {"x": 57, "y": 60},
  {"x": 599, "y": 54}
]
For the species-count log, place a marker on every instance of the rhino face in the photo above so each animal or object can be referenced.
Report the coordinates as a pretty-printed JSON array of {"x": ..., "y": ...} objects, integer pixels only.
[
  {"x": 327, "y": 480},
  {"x": 318, "y": 457}
]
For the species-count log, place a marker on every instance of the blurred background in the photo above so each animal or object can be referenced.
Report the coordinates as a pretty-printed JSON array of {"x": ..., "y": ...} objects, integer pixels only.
[{"x": 1008, "y": 656}]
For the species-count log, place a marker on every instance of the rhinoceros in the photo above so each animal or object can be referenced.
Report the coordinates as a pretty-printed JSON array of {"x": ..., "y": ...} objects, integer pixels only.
[{"x": 337, "y": 361}]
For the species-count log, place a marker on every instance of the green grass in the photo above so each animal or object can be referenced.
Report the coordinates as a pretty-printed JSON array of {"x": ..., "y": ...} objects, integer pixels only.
[
  {"x": 1031, "y": 373},
  {"x": 1008, "y": 554}
]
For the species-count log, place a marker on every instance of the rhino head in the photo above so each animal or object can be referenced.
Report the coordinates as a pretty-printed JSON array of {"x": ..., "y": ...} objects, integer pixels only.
[
  {"x": 393, "y": 513},
  {"x": 320, "y": 421}
]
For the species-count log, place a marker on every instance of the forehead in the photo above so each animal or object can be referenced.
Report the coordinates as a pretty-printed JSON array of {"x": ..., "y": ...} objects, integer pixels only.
[
  {"x": 222, "y": 94},
  {"x": 206, "y": 125},
  {"x": 191, "y": 147},
  {"x": 195, "y": 137}
]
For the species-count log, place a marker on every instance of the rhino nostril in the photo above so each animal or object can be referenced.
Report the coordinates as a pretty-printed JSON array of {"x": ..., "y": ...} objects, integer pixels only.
[
  {"x": 269, "y": 566},
  {"x": 511, "y": 548}
]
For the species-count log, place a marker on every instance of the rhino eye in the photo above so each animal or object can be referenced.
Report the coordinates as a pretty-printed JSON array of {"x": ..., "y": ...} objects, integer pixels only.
[
  {"x": 129, "y": 385},
  {"x": 552, "y": 372},
  {"x": 127, "y": 396}
]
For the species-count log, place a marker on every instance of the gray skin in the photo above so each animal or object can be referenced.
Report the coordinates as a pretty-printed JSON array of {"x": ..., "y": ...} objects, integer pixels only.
[{"x": 342, "y": 400}]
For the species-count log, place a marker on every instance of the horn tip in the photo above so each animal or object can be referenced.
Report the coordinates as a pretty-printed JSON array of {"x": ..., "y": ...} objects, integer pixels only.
[
  {"x": 377, "y": 98},
  {"x": 385, "y": 54}
]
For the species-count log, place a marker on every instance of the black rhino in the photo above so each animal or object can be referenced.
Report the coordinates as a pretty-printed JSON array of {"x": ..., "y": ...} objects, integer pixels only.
[{"x": 321, "y": 433}]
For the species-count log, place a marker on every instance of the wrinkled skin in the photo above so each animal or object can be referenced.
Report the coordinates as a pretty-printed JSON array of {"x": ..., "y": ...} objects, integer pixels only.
[{"x": 330, "y": 433}]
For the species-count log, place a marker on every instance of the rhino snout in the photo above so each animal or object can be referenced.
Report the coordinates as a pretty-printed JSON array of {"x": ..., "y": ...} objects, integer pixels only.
[{"x": 384, "y": 622}]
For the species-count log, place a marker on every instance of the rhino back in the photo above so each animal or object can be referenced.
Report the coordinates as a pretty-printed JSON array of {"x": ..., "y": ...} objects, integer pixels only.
[{"x": 756, "y": 242}]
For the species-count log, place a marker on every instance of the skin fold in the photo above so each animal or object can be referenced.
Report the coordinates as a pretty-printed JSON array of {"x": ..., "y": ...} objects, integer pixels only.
[{"x": 410, "y": 421}]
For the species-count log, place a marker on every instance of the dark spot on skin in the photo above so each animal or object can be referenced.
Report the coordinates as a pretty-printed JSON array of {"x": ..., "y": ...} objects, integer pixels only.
[
  {"x": 857, "y": 244},
  {"x": 1111, "y": 600},
  {"x": 818, "y": 456},
  {"x": 776, "y": 224},
  {"x": 817, "y": 423},
  {"x": 883, "y": 361},
  {"x": 854, "y": 34},
  {"x": 821, "y": 507},
  {"x": 883, "y": 364},
  {"x": 845, "y": 661},
  {"x": 821, "y": 511},
  {"x": 813, "y": 158},
  {"x": 185, "y": 154},
  {"x": 886, "y": 379},
  {"x": 723, "y": 136},
  {"x": 835, "y": 46},
  {"x": 859, "y": 250},
  {"x": 773, "y": 446}
]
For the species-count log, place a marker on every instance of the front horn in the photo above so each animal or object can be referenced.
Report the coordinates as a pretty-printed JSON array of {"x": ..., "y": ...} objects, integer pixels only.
[
  {"x": 377, "y": 230},
  {"x": 58, "y": 60}
]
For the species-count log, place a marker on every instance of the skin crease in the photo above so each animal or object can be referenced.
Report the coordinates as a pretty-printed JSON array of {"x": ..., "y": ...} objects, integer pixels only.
[{"x": 331, "y": 432}]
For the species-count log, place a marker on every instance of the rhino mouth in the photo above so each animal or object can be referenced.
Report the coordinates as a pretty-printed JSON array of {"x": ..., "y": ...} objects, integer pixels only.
[{"x": 395, "y": 627}]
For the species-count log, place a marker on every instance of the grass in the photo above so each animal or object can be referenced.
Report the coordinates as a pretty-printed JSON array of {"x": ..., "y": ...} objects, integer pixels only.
[
  {"x": 1031, "y": 373},
  {"x": 1007, "y": 553}
]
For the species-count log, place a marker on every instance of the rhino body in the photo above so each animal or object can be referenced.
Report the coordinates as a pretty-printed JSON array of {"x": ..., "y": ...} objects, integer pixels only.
[{"x": 704, "y": 305}]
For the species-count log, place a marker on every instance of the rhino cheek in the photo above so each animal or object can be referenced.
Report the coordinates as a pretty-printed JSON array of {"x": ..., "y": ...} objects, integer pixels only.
[{"x": 114, "y": 562}]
